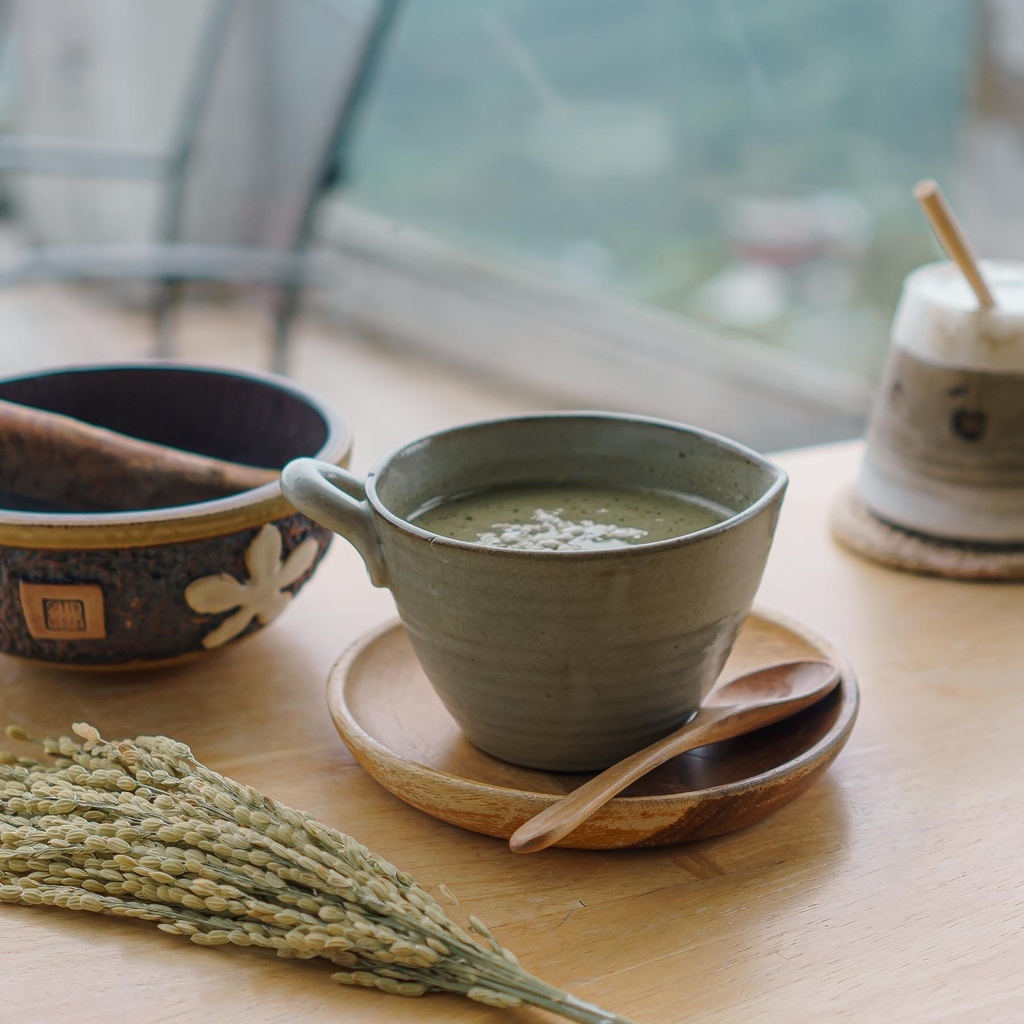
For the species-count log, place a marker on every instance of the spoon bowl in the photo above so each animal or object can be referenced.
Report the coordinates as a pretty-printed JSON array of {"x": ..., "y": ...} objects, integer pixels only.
[
  {"x": 753, "y": 701},
  {"x": 786, "y": 681}
]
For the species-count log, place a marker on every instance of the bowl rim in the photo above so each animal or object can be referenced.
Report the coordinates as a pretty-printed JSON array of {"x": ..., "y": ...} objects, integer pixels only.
[{"x": 146, "y": 527}]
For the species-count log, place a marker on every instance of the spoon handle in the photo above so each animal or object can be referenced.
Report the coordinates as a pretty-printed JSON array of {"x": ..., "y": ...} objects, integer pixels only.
[{"x": 710, "y": 725}]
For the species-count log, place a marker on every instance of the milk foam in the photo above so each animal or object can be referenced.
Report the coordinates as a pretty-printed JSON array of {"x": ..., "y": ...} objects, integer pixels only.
[{"x": 938, "y": 318}]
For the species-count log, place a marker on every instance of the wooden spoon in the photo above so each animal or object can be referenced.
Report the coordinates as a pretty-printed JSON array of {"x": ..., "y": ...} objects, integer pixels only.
[
  {"x": 750, "y": 702},
  {"x": 69, "y": 464}
]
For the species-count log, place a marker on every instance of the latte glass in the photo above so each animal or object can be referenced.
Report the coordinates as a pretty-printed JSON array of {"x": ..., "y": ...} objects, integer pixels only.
[{"x": 945, "y": 450}]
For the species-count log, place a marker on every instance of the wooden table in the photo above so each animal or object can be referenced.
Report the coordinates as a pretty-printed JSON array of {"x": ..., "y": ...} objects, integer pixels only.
[{"x": 890, "y": 891}]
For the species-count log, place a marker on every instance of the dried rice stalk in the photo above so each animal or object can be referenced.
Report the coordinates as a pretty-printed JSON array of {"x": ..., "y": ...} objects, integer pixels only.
[{"x": 139, "y": 828}]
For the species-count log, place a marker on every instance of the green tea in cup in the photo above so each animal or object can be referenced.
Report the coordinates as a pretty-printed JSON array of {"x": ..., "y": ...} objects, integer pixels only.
[{"x": 568, "y": 517}]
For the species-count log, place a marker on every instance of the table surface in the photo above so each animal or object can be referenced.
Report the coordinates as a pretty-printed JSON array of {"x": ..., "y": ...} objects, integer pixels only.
[{"x": 892, "y": 887}]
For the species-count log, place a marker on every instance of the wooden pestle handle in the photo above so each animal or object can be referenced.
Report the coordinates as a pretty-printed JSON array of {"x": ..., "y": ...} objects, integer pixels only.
[{"x": 69, "y": 464}]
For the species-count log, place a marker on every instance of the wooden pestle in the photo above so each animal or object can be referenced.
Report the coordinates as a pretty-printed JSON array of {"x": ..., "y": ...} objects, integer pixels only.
[{"x": 68, "y": 464}]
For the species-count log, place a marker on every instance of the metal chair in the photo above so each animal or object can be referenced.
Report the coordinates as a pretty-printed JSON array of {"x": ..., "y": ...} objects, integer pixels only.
[{"x": 238, "y": 198}]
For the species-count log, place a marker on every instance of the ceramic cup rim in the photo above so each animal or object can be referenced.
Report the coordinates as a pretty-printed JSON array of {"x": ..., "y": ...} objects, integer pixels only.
[
  {"x": 780, "y": 480},
  {"x": 213, "y": 516}
]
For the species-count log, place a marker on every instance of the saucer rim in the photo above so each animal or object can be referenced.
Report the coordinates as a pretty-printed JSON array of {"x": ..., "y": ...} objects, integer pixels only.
[{"x": 809, "y": 759}]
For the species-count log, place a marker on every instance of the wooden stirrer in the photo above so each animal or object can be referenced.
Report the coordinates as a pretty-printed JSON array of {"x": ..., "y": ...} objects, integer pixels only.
[{"x": 953, "y": 240}]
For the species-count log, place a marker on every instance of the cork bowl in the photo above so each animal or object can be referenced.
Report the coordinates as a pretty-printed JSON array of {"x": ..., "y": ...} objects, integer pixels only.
[{"x": 146, "y": 587}]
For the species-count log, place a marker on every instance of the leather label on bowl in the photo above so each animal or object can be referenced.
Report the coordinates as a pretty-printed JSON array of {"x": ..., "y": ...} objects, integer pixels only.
[{"x": 63, "y": 611}]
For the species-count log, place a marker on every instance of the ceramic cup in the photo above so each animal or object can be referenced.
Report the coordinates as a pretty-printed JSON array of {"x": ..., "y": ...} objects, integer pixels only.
[
  {"x": 560, "y": 660},
  {"x": 945, "y": 450}
]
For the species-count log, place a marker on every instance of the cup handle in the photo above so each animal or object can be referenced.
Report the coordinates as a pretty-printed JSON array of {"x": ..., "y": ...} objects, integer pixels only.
[{"x": 336, "y": 499}]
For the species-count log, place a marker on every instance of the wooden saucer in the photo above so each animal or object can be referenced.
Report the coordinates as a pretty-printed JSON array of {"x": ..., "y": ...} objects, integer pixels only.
[{"x": 392, "y": 721}]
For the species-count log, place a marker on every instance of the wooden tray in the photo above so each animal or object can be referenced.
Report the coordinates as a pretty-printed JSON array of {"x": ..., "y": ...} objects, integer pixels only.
[{"x": 389, "y": 716}]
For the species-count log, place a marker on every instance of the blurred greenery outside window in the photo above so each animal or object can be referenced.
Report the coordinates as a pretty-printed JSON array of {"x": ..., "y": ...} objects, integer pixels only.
[{"x": 747, "y": 164}]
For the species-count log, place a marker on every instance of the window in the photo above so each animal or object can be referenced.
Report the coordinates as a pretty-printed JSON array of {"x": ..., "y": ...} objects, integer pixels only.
[{"x": 744, "y": 166}]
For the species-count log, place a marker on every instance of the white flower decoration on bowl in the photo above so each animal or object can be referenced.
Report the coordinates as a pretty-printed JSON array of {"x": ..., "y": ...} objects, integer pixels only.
[{"x": 262, "y": 597}]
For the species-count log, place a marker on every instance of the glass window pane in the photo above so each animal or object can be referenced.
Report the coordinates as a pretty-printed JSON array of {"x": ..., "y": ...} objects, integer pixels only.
[{"x": 747, "y": 164}]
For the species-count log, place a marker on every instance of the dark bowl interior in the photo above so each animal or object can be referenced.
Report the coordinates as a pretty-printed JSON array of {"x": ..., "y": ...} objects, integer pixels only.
[{"x": 228, "y": 415}]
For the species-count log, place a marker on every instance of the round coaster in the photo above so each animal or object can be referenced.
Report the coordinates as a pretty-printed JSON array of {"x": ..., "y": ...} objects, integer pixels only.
[{"x": 860, "y": 530}]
